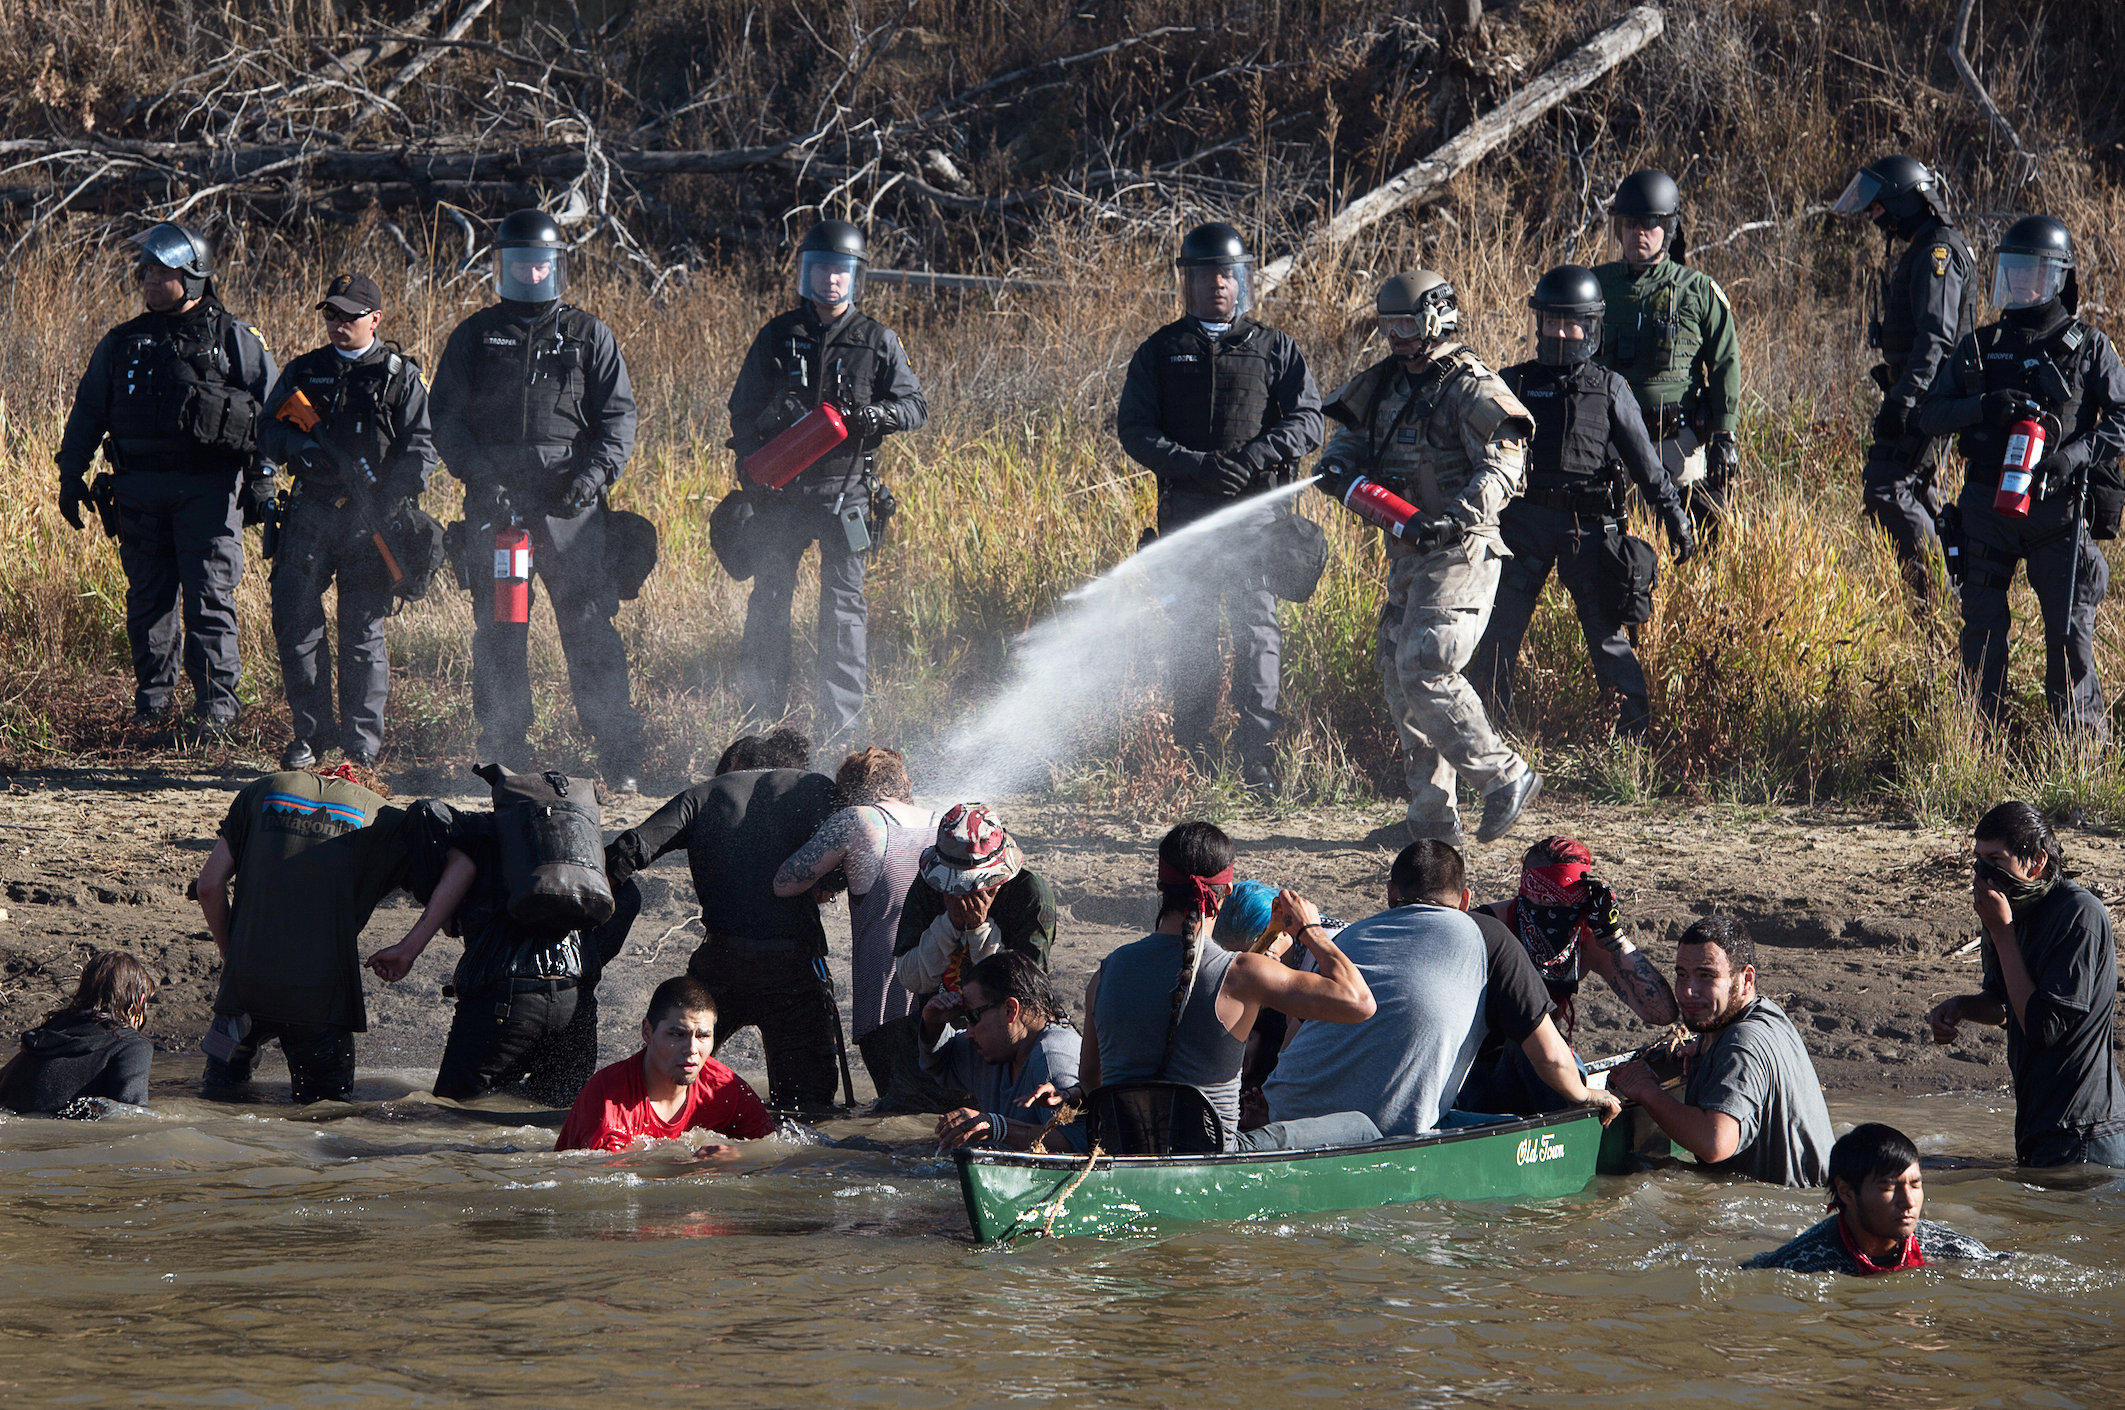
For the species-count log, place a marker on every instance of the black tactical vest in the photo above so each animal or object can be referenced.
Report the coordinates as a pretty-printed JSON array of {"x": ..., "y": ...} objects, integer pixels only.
[
  {"x": 2050, "y": 367},
  {"x": 1899, "y": 328},
  {"x": 176, "y": 400},
  {"x": 528, "y": 381},
  {"x": 357, "y": 399},
  {"x": 1571, "y": 409},
  {"x": 838, "y": 363},
  {"x": 1214, "y": 395}
]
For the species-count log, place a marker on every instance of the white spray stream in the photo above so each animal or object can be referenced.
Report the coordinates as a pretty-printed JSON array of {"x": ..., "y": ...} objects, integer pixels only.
[{"x": 1064, "y": 694}]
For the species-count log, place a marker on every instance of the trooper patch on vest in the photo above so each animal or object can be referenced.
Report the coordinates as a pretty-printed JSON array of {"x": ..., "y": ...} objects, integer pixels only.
[{"x": 1940, "y": 260}]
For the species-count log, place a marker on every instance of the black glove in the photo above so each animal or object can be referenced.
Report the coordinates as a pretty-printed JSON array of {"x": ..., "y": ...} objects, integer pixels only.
[
  {"x": 1432, "y": 532},
  {"x": 1232, "y": 475},
  {"x": 1890, "y": 422},
  {"x": 1721, "y": 458},
  {"x": 258, "y": 499},
  {"x": 1680, "y": 538},
  {"x": 1335, "y": 480},
  {"x": 73, "y": 493},
  {"x": 1601, "y": 913},
  {"x": 873, "y": 420},
  {"x": 581, "y": 492},
  {"x": 2003, "y": 407},
  {"x": 783, "y": 412}
]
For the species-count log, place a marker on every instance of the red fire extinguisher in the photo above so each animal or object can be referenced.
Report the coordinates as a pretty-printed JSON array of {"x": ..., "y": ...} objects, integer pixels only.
[
  {"x": 512, "y": 574},
  {"x": 2026, "y": 439},
  {"x": 793, "y": 452}
]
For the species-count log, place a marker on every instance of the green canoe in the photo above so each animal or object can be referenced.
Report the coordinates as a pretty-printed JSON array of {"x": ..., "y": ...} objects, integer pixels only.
[{"x": 1009, "y": 1193}]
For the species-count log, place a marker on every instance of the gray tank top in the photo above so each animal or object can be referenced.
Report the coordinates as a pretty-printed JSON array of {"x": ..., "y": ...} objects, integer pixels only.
[
  {"x": 874, "y": 919},
  {"x": 1136, "y": 1006}
]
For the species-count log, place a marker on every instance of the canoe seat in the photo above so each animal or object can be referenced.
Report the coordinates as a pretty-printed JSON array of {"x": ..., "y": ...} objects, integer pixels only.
[{"x": 1153, "y": 1118}]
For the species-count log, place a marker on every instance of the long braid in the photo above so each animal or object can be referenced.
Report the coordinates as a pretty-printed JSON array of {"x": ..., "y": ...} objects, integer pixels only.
[{"x": 1191, "y": 955}]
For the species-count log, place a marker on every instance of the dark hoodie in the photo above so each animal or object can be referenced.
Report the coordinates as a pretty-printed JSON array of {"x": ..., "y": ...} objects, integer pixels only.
[{"x": 76, "y": 1055}]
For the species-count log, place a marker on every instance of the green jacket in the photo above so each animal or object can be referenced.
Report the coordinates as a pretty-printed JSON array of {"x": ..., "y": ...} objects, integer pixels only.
[{"x": 1670, "y": 333}]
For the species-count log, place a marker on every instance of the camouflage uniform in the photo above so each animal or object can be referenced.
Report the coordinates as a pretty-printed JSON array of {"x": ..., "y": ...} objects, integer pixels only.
[{"x": 1453, "y": 442}]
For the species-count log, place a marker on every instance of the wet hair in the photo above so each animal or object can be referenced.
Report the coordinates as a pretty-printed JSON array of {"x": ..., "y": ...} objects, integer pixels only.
[
  {"x": 784, "y": 748},
  {"x": 1429, "y": 870},
  {"x": 1870, "y": 1151},
  {"x": 2024, "y": 831},
  {"x": 739, "y": 755},
  {"x": 113, "y": 986},
  {"x": 872, "y": 776},
  {"x": 360, "y": 775},
  {"x": 1007, "y": 974},
  {"x": 1192, "y": 849},
  {"x": 1728, "y": 933},
  {"x": 682, "y": 993},
  {"x": 1244, "y": 916},
  {"x": 1551, "y": 851}
]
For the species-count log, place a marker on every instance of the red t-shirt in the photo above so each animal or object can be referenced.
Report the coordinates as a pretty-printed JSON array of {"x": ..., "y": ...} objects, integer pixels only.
[{"x": 613, "y": 1109}]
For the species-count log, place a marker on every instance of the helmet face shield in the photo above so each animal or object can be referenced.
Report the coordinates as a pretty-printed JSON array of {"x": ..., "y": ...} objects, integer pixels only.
[
  {"x": 2021, "y": 280},
  {"x": 1858, "y": 196},
  {"x": 1217, "y": 293},
  {"x": 530, "y": 274},
  {"x": 1564, "y": 339},
  {"x": 828, "y": 278},
  {"x": 171, "y": 246}
]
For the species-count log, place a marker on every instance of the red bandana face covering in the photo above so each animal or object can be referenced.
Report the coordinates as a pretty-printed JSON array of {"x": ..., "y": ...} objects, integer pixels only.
[
  {"x": 1205, "y": 887},
  {"x": 1548, "y": 914},
  {"x": 1908, "y": 1257}
]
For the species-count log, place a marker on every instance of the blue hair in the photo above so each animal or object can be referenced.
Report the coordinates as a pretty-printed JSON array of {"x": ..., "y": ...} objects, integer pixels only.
[{"x": 1244, "y": 916}]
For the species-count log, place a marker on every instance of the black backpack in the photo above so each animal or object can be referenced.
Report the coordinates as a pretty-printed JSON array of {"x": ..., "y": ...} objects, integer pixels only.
[{"x": 549, "y": 832}]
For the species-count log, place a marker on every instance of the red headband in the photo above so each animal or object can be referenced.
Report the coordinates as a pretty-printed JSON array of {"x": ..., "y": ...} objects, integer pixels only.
[
  {"x": 1206, "y": 899},
  {"x": 1560, "y": 884}
]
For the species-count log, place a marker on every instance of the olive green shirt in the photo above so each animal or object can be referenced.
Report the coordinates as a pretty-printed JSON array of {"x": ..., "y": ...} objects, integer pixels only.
[
  {"x": 313, "y": 856},
  {"x": 1670, "y": 332}
]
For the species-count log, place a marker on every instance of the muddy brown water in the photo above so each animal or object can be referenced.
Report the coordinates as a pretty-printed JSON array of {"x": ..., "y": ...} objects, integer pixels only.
[{"x": 395, "y": 1251}]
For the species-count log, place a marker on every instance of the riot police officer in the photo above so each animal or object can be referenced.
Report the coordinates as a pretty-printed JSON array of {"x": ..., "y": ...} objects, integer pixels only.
[
  {"x": 172, "y": 397},
  {"x": 360, "y": 464},
  {"x": 1436, "y": 427},
  {"x": 2038, "y": 367},
  {"x": 1589, "y": 437},
  {"x": 1670, "y": 332},
  {"x": 1927, "y": 303},
  {"x": 824, "y": 350},
  {"x": 1220, "y": 407},
  {"x": 533, "y": 410}
]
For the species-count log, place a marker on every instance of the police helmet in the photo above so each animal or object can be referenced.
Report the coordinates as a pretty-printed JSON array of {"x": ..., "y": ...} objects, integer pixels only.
[
  {"x": 179, "y": 248},
  {"x": 1568, "y": 306},
  {"x": 1215, "y": 270},
  {"x": 1419, "y": 306},
  {"x": 830, "y": 264},
  {"x": 2034, "y": 265},
  {"x": 1647, "y": 195},
  {"x": 530, "y": 258},
  {"x": 1902, "y": 185}
]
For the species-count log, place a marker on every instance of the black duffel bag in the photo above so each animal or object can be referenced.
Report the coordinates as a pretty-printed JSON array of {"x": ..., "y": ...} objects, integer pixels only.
[
  {"x": 415, "y": 538},
  {"x": 2106, "y": 499},
  {"x": 630, "y": 552},
  {"x": 1293, "y": 553},
  {"x": 730, "y": 532},
  {"x": 550, "y": 835},
  {"x": 1630, "y": 572}
]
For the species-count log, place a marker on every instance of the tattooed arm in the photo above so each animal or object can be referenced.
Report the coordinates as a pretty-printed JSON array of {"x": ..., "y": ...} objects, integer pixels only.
[
  {"x": 852, "y": 840},
  {"x": 1642, "y": 988}
]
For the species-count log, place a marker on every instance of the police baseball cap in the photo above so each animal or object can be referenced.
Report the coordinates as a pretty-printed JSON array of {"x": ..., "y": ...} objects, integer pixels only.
[{"x": 353, "y": 295}]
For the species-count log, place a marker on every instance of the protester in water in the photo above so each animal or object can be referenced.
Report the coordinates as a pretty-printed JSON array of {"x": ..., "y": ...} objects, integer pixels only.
[
  {"x": 1170, "y": 1009},
  {"x": 1876, "y": 1193},
  {"x": 672, "y": 1085},
  {"x": 764, "y": 957},
  {"x": 1430, "y": 970},
  {"x": 91, "y": 1046},
  {"x": 873, "y": 843},
  {"x": 526, "y": 1017},
  {"x": 1752, "y": 1104},
  {"x": 311, "y": 855},
  {"x": 2051, "y": 976},
  {"x": 1015, "y": 1038},
  {"x": 973, "y": 898},
  {"x": 1567, "y": 921}
]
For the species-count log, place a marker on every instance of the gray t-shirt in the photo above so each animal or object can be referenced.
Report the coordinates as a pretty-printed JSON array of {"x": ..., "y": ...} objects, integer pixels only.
[
  {"x": 1134, "y": 1008},
  {"x": 1403, "y": 1067},
  {"x": 1757, "y": 1070},
  {"x": 958, "y": 1064}
]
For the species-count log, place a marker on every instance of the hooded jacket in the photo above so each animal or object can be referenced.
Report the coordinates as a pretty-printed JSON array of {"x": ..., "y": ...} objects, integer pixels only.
[{"x": 76, "y": 1055}]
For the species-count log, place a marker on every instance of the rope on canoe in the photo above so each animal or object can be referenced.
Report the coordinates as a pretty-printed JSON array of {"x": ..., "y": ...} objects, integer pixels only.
[{"x": 1055, "y": 1210}]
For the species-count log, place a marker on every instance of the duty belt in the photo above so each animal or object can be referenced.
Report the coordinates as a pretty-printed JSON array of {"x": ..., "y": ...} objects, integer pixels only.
[
  {"x": 541, "y": 986},
  {"x": 1588, "y": 501}
]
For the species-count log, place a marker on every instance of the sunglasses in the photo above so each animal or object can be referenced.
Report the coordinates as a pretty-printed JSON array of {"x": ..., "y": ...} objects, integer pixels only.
[
  {"x": 974, "y": 1016},
  {"x": 333, "y": 315}
]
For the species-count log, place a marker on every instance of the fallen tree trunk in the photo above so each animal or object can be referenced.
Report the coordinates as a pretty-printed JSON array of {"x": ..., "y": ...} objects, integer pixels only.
[{"x": 1479, "y": 139}]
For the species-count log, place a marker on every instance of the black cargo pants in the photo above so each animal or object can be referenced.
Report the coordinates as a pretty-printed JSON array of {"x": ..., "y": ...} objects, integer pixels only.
[
  {"x": 319, "y": 544},
  {"x": 179, "y": 538}
]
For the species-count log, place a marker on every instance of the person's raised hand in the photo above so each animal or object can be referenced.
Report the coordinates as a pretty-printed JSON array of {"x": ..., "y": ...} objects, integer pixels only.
[
  {"x": 1946, "y": 1017},
  {"x": 944, "y": 1006},
  {"x": 1991, "y": 906},
  {"x": 968, "y": 912},
  {"x": 1047, "y": 1094},
  {"x": 1295, "y": 915}
]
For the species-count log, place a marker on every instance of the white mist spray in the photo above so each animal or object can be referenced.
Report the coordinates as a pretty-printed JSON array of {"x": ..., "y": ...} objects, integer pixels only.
[{"x": 1065, "y": 694}]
